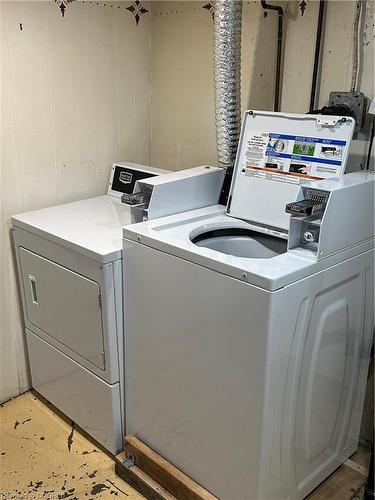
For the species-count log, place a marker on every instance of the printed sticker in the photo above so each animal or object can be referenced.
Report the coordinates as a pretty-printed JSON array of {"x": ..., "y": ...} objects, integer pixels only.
[{"x": 295, "y": 158}]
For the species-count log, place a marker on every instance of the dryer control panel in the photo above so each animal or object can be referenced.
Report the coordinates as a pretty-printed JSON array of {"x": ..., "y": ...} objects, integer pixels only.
[
  {"x": 170, "y": 194},
  {"x": 125, "y": 175}
]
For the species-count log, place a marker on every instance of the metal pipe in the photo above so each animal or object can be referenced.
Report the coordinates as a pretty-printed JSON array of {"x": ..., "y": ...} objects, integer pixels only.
[
  {"x": 227, "y": 78},
  {"x": 322, "y": 4},
  {"x": 280, "y": 12},
  {"x": 356, "y": 52}
]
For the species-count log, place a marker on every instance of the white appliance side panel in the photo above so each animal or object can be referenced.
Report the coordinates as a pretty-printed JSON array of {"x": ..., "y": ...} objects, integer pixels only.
[
  {"x": 197, "y": 348},
  {"x": 360, "y": 390},
  {"x": 89, "y": 401},
  {"x": 326, "y": 341},
  {"x": 118, "y": 287},
  {"x": 64, "y": 305},
  {"x": 349, "y": 217}
]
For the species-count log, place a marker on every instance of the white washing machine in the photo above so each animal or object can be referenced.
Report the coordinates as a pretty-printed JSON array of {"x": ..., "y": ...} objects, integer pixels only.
[
  {"x": 69, "y": 260},
  {"x": 249, "y": 327}
]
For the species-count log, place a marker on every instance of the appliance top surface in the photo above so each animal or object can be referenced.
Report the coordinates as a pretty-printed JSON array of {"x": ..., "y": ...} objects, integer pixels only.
[
  {"x": 173, "y": 235},
  {"x": 345, "y": 181},
  {"x": 92, "y": 227}
]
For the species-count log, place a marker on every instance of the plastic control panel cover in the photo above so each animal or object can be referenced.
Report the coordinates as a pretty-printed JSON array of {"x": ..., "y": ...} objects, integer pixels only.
[{"x": 279, "y": 152}]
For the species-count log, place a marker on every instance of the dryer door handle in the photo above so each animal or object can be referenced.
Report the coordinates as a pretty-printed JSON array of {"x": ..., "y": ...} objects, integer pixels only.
[{"x": 34, "y": 293}]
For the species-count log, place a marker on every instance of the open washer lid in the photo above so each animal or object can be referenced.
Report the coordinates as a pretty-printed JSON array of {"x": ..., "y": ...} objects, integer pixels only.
[{"x": 278, "y": 152}]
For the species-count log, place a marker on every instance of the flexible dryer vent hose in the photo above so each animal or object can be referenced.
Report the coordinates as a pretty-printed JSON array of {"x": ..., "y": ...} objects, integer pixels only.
[{"x": 227, "y": 78}]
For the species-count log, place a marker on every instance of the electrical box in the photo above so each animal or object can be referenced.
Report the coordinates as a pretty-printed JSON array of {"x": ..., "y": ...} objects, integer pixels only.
[{"x": 355, "y": 101}]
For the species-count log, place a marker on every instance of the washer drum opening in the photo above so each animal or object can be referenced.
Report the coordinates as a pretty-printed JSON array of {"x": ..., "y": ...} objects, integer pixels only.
[{"x": 241, "y": 242}]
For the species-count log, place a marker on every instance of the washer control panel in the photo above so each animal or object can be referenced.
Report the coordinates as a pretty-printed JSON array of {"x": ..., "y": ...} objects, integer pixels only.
[{"x": 323, "y": 221}]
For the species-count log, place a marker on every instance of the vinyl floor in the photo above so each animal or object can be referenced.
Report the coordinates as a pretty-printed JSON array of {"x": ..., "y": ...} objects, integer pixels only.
[{"x": 43, "y": 455}]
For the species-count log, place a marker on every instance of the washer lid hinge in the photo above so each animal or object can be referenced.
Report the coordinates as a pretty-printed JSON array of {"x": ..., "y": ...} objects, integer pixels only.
[{"x": 229, "y": 204}]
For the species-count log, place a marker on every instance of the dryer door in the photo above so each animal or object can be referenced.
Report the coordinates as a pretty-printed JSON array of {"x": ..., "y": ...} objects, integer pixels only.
[{"x": 64, "y": 305}]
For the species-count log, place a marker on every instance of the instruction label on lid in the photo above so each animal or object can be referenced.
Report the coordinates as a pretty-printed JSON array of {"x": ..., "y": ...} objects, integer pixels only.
[
  {"x": 292, "y": 158},
  {"x": 279, "y": 152}
]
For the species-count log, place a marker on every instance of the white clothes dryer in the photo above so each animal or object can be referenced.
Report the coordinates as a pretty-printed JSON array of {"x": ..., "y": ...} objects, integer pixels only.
[{"x": 69, "y": 260}]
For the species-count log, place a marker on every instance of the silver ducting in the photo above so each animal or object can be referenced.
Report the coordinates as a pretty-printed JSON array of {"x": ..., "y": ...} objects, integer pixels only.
[{"x": 227, "y": 74}]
